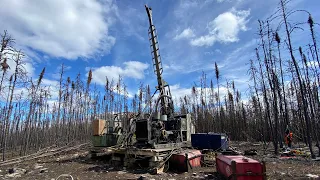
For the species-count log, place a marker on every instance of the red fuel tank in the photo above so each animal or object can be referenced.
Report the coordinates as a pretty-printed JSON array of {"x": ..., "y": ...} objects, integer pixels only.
[
  {"x": 185, "y": 160},
  {"x": 240, "y": 168}
]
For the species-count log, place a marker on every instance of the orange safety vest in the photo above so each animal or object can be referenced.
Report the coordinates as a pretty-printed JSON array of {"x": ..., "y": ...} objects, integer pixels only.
[{"x": 290, "y": 135}]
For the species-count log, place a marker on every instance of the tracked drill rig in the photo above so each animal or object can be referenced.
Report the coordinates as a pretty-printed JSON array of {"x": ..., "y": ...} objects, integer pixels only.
[{"x": 162, "y": 128}]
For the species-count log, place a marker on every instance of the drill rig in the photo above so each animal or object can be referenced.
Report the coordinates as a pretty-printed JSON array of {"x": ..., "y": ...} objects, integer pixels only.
[{"x": 162, "y": 128}]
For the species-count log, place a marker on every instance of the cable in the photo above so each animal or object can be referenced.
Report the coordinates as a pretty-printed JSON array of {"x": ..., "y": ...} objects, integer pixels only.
[{"x": 65, "y": 175}]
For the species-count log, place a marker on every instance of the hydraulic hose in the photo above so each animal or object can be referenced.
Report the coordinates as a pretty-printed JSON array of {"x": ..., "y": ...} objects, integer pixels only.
[{"x": 159, "y": 98}]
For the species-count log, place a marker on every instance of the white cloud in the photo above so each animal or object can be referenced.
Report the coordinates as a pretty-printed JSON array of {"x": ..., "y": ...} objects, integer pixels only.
[
  {"x": 178, "y": 92},
  {"x": 185, "y": 34},
  {"x": 68, "y": 29},
  {"x": 54, "y": 92},
  {"x": 312, "y": 64},
  {"x": 131, "y": 69},
  {"x": 26, "y": 64},
  {"x": 207, "y": 40},
  {"x": 49, "y": 82},
  {"x": 19, "y": 92},
  {"x": 22, "y": 92},
  {"x": 224, "y": 28}
]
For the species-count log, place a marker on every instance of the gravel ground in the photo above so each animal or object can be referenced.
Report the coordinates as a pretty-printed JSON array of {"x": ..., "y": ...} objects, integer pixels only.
[{"x": 81, "y": 167}]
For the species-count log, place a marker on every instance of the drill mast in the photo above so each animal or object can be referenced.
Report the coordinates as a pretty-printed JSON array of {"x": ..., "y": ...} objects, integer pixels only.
[{"x": 165, "y": 94}]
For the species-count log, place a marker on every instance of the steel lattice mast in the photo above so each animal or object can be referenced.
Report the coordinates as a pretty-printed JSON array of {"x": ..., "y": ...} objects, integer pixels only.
[{"x": 165, "y": 94}]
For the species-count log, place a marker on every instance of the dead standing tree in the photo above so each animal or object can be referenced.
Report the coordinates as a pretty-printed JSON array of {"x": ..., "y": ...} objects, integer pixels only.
[
  {"x": 296, "y": 68},
  {"x": 19, "y": 74},
  {"x": 31, "y": 112},
  {"x": 58, "y": 134},
  {"x": 5, "y": 50},
  {"x": 217, "y": 73},
  {"x": 87, "y": 103}
]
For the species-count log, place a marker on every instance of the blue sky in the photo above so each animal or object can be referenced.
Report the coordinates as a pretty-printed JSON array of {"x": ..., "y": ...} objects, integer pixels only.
[{"x": 111, "y": 38}]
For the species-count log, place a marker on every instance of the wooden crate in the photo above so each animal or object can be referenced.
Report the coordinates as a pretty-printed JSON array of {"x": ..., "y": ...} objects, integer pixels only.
[{"x": 98, "y": 127}]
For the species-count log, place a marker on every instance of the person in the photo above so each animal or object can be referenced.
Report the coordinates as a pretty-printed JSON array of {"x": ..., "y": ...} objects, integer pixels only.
[
  {"x": 290, "y": 140},
  {"x": 288, "y": 137}
]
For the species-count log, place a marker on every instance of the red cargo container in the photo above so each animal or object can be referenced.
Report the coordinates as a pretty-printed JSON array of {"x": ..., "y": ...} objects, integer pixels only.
[
  {"x": 240, "y": 168},
  {"x": 185, "y": 160}
]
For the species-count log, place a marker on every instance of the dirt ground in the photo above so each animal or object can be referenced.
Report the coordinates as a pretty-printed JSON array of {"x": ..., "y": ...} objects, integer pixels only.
[{"x": 77, "y": 164}]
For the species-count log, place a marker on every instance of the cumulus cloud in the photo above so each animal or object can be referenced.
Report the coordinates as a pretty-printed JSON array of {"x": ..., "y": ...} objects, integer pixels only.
[
  {"x": 49, "y": 82},
  {"x": 185, "y": 34},
  {"x": 27, "y": 66},
  {"x": 178, "y": 92},
  {"x": 207, "y": 40},
  {"x": 68, "y": 29},
  {"x": 54, "y": 87},
  {"x": 131, "y": 69},
  {"x": 22, "y": 93},
  {"x": 25, "y": 63},
  {"x": 225, "y": 28}
]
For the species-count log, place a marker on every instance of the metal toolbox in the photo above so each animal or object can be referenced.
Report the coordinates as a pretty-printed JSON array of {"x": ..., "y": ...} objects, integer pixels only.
[{"x": 209, "y": 141}]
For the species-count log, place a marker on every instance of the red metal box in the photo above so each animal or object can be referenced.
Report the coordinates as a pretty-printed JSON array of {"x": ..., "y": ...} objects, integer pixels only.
[
  {"x": 185, "y": 160},
  {"x": 240, "y": 167}
]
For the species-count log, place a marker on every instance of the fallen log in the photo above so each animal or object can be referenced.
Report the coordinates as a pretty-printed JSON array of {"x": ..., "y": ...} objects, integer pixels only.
[{"x": 41, "y": 155}]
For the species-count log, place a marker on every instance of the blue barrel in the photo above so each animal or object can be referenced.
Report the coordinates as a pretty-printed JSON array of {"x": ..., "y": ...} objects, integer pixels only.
[{"x": 211, "y": 141}]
